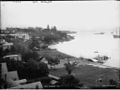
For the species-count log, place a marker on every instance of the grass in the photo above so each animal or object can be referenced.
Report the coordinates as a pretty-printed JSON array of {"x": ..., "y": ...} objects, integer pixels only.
[
  {"x": 89, "y": 75},
  {"x": 53, "y": 53}
]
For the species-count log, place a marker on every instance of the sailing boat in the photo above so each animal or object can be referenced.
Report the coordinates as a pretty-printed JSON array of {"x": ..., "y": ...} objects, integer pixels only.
[{"x": 117, "y": 34}]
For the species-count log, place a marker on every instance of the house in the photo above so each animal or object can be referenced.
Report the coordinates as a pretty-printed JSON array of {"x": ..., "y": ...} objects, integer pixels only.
[
  {"x": 44, "y": 60},
  {"x": 21, "y": 35},
  {"x": 3, "y": 35},
  {"x": 54, "y": 80},
  {"x": 12, "y": 75},
  {"x": 13, "y": 82},
  {"x": 5, "y": 31},
  {"x": 34, "y": 85},
  {"x": 7, "y": 45},
  {"x": 21, "y": 81},
  {"x": 11, "y": 30},
  {"x": 4, "y": 70},
  {"x": 54, "y": 77},
  {"x": 2, "y": 41},
  {"x": 15, "y": 57},
  {"x": 24, "y": 36},
  {"x": 9, "y": 76},
  {"x": 5, "y": 75}
]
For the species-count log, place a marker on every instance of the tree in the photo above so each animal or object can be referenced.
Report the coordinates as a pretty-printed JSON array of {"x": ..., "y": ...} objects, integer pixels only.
[
  {"x": 43, "y": 69},
  {"x": 69, "y": 81},
  {"x": 113, "y": 82},
  {"x": 52, "y": 61},
  {"x": 49, "y": 38},
  {"x": 54, "y": 28},
  {"x": 48, "y": 27},
  {"x": 69, "y": 67},
  {"x": 34, "y": 43},
  {"x": 26, "y": 53},
  {"x": 31, "y": 69},
  {"x": 35, "y": 69}
]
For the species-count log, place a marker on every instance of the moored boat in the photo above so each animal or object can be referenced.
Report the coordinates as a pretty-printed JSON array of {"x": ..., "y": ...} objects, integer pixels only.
[
  {"x": 101, "y": 59},
  {"x": 116, "y": 34}
]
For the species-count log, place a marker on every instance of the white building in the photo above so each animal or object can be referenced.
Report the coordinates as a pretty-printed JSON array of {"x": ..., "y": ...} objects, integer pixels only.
[{"x": 24, "y": 36}]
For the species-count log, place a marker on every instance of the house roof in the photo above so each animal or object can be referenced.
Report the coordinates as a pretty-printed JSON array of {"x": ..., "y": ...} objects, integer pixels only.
[
  {"x": 29, "y": 86},
  {"x": 7, "y": 44},
  {"x": 55, "y": 77},
  {"x": 14, "y": 55}
]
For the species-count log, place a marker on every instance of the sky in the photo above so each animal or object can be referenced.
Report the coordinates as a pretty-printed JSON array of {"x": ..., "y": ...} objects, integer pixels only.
[{"x": 65, "y": 15}]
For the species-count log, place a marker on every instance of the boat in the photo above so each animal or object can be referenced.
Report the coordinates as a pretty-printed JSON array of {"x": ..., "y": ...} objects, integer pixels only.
[
  {"x": 96, "y": 52},
  {"x": 101, "y": 59},
  {"x": 101, "y": 33},
  {"x": 116, "y": 34}
]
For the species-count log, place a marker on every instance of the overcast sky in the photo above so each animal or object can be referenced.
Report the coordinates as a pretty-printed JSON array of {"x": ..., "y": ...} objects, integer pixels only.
[{"x": 72, "y": 15}]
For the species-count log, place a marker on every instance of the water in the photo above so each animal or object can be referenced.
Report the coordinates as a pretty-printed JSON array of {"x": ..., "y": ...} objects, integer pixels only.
[{"x": 86, "y": 43}]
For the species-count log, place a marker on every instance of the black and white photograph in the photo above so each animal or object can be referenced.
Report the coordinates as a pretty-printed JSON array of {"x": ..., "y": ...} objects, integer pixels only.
[{"x": 60, "y": 44}]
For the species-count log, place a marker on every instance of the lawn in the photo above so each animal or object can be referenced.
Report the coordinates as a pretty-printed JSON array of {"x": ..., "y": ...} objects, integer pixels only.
[
  {"x": 88, "y": 75},
  {"x": 53, "y": 53}
]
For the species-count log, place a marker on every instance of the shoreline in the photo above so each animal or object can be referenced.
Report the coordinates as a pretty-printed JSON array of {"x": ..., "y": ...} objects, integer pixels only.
[
  {"x": 104, "y": 66},
  {"x": 82, "y": 62},
  {"x": 89, "y": 74},
  {"x": 94, "y": 64},
  {"x": 88, "y": 62}
]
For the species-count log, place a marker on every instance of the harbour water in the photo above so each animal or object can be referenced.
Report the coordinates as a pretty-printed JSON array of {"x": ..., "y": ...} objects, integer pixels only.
[{"x": 86, "y": 44}]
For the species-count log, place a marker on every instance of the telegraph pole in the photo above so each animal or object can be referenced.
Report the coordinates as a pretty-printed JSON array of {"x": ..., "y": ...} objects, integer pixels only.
[{"x": 0, "y": 17}]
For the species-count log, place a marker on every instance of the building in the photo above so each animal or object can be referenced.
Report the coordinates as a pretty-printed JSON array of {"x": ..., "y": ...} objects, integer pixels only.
[
  {"x": 7, "y": 45},
  {"x": 2, "y": 36},
  {"x": 24, "y": 36},
  {"x": 44, "y": 60},
  {"x": 2, "y": 41},
  {"x": 13, "y": 82},
  {"x": 15, "y": 57},
  {"x": 34, "y": 85},
  {"x": 4, "y": 70},
  {"x": 5, "y": 31}
]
